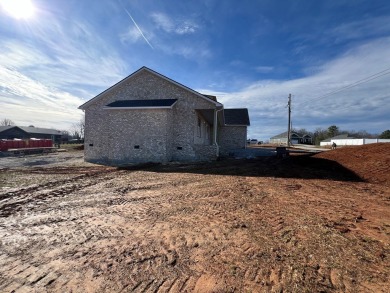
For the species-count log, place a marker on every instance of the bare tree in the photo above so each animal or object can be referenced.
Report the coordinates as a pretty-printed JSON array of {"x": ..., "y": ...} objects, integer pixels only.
[
  {"x": 302, "y": 131},
  {"x": 77, "y": 129},
  {"x": 65, "y": 135},
  {"x": 319, "y": 135},
  {"x": 6, "y": 122}
]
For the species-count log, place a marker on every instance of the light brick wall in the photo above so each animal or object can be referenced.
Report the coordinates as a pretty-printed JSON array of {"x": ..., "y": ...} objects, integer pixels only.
[
  {"x": 110, "y": 135},
  {"x": 231, "y": 138}
]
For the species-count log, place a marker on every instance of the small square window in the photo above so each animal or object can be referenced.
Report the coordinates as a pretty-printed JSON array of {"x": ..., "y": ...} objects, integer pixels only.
[
  {"x": 136, "y": 147},
  {"x": 91, "y": 144},
  {"x": 179, "y": 148}
]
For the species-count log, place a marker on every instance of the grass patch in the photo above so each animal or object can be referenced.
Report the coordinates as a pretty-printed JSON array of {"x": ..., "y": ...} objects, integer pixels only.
[{"x": 73, "y": 147}]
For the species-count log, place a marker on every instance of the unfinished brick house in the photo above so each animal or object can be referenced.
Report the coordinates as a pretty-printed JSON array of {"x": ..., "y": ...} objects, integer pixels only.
[{"x": 148, "y": 117}]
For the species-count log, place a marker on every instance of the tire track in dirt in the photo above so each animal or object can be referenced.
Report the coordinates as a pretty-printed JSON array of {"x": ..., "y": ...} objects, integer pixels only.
[
  {"x": 166, "y": 271},
  {"x": 51, "y": 190},
  {"x": 63, "y": 231},
  {"x": 27, "y": 277},
  {"x": 32, "y": 228},
  {"x": 176, "y": 232}
]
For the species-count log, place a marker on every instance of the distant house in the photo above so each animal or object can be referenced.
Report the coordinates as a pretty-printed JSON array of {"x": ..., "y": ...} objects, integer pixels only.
[
  {"x": 148, "y": 117},
  {"x": 296, "y": 138},
  {"x": 344, "y": 140},
  {"x": 23, "y": 132},
  {"x": 329, "y": 141}
]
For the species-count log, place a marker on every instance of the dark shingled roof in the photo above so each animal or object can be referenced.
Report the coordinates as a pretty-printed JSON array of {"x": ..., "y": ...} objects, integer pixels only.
[
  {"x": 3, "y": 128},
  {"x": 39, "y": 130},
  {"x": 284, "y": 135},
  {"x": 281, "y": 135},
  {"x": 142, "y": 103},
  {"x": 340, "y": 136},
  {"x": 32, "y": 130},
  {"x": 236, "y": 117},
  {"x": 214, "y": 98}
]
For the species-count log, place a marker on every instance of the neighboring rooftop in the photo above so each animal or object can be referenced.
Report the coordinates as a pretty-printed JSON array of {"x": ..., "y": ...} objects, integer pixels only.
[
  {"x": 340, "y": 136},
  {"x": 284, "y": 134},
  {"x": 237, "y": 117},
  {"x": 214, "y": 98},
  {"x": 32, "y": 129}
]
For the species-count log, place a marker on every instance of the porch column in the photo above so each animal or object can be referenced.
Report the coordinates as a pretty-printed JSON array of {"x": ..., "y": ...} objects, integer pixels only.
[{"x": 216, "y": 130}]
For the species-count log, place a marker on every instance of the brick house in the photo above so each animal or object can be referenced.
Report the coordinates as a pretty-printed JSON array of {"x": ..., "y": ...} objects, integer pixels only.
[{"x": 148, "y": 117}]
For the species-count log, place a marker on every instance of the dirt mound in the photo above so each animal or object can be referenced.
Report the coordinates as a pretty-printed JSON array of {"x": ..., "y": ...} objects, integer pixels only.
[{"x": 370, "y": 162}]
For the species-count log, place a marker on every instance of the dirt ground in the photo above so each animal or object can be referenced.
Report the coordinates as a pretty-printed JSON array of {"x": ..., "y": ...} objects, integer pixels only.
[{"x": 299, "y": 224}]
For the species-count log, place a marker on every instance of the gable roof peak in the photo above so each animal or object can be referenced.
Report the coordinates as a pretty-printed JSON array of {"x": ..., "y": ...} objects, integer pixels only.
[{"x": 144, "y": 68}]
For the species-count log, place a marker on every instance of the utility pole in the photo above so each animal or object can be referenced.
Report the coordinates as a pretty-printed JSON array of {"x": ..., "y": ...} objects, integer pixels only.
[{"x": 289, "y": 121}]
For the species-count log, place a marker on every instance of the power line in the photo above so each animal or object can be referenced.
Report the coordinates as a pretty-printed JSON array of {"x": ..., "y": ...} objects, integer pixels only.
[{"x": 356, "y": 83}]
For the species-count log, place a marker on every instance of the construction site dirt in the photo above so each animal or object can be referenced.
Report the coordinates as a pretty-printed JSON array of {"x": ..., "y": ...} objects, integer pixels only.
[{"x": 318, "y": 223}]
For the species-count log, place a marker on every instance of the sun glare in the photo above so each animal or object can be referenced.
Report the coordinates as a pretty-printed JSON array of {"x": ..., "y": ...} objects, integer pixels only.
[{"x": 18, "y": 8}]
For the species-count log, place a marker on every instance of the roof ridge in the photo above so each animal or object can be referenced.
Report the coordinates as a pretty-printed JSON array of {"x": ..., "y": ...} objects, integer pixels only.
[{"x": 155, "y": 73}]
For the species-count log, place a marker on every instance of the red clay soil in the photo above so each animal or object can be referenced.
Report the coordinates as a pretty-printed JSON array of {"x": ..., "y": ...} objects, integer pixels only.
[
  {"x": 370, "y": 162},
  {"x": 294, "y": 224}
]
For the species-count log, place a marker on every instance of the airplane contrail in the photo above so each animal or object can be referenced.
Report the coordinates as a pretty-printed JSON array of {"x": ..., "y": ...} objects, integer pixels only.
[{"x": 128, "y": 13}]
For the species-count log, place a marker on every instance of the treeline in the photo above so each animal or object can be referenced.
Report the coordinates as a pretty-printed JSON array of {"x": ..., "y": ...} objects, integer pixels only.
[{"x": 321, "y": 134}]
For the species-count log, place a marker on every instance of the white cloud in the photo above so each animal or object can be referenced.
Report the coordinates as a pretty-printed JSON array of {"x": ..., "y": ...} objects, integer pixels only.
[
  {"x": 27, "y": 101},
  {"x": 132, "y": 35},
  {"x": 177, "y": 26},
  {"x": 163, "y": 21},
  {"x": 74, "y": 60},
  {"x": 264, "y": 69},
  {"x": 139, "y": 29},
  {"x": 46, "y": 76},
  {"x": 196, "y": 52},
  {"x": 362, "y": 107},
  {"x": 362, "y": 28},
  {"x": 187, "y": 27},
  {"x": 163, "y": 34}
]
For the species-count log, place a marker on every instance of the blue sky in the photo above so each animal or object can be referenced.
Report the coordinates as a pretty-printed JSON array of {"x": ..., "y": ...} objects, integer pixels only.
[{"x": 249, "y": 53}]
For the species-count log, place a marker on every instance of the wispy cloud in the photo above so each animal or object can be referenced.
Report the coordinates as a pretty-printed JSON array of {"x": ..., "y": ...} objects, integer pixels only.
[
  {"x": 365, "y": 27},
  {"x": 187, "y": 27},
  {"x": 75, "y": 60},
  {"x": 195, "y": 52},
  {"x": 180, "y": 27},
  {"x": 163, "y": 21},
  {"x": 132, "y": 35},
  {"x": 55, "y": 68},
  {"x": 361, "y": 107},
  {"x": 264, "y": 69},
  {"x": 170, "y": 33},
  {"x": 168, "y": 36},
  {"x": 27, "y": 101},
  {"x": 138, "y": 28}
]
